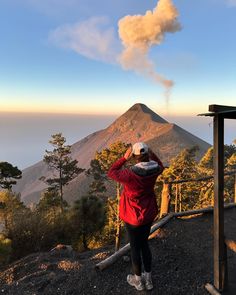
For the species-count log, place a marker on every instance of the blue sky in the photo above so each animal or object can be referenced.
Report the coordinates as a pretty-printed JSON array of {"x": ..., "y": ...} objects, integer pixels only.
[
  {"x": 60, "y": 56},
  {"x": 65, "y": 56}
]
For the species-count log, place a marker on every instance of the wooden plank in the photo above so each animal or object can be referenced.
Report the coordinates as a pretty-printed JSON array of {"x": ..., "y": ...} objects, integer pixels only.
[
  {"x": 231, "y": 244},
  {"x": 202, "y": 211},
  {"x": 194, "y": 212},
  {"x": 161, "y": 222},
  {"x": 216, "y": 108},
  {"x": 218, "y": 156},
  {"x": 226, "y": 114},
  {"x": 211, "y": 289}
]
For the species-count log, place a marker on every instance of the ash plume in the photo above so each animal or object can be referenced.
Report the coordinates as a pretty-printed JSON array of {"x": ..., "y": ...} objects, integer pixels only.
[{"x": 139, "y": 33}]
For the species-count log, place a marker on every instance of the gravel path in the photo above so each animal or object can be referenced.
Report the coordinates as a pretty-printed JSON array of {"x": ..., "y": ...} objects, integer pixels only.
[{"x": 182, "y": 264}]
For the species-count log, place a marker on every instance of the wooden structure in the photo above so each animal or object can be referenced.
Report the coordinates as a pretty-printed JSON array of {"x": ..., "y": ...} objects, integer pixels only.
[
  {"x": 219, "y": 113},
  {"x": 167, "y": 191}
]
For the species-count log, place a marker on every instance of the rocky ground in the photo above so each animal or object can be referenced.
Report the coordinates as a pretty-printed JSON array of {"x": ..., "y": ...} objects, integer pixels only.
[{"x": 182, "y": 264}]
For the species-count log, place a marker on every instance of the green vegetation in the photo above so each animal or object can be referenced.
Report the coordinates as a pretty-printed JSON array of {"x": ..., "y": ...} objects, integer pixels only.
[
  {"x": 197, "y": 194},
  {"x": 93, "y": 219},
  {"x": 5, "y": 249},
  {"x": 183, "y": 167},
  {"x": 88, "y": 215}
]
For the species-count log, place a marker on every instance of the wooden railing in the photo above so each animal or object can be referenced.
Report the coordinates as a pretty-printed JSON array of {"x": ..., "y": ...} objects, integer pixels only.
[{"x": 168, "y": 188}]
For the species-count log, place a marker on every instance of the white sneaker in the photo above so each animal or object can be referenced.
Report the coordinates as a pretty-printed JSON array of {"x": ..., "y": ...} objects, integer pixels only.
[
  {"x": 137, "y": 283},
  {"x": 147, "y": 280}
]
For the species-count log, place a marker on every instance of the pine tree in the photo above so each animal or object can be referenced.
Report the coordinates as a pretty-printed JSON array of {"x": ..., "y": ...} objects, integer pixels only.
[
  {"x": 59, "y": 160},
  {"x": 8, "y": 175}
]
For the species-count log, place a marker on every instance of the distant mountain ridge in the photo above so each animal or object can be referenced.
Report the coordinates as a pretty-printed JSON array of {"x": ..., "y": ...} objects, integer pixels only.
[{"x": 139, "y": 123}]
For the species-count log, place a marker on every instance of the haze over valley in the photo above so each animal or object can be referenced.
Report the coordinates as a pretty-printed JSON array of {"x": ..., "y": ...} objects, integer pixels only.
[{"x": 24, "y": 136}]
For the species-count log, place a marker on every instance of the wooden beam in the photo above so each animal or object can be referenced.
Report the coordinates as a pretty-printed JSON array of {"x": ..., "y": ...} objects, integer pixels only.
[
  {"x": 211, "y": 289},
  {"x": 218, "y": 156},
  {"x": 231, "y": 244},
  {"x": 202, "y": 211},
  {"x": 225, "y": 114},
  {"x": 216, "y": 108}
]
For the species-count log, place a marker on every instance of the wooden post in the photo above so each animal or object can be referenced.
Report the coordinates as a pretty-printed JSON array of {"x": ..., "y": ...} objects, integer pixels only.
[
  {"x": 235, "y": 188},
  {"x": 118, "y": 222},
  {"x": 225, "y": 271},
  {"x": 218, "y": 156},
  {"x": 180, "y": 197},
  {"x": 176, "y": 197},
  {"x": 165, "y": 199}
]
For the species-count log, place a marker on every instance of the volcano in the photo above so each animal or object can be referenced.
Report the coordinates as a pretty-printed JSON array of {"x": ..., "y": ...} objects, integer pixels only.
[{"x": 139, "y": 123}]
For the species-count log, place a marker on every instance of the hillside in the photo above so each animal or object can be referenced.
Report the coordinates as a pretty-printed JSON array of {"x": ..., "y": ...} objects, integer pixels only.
[
  {"x": 139, "y": 123},
  {"x": 182, "y": 264}
]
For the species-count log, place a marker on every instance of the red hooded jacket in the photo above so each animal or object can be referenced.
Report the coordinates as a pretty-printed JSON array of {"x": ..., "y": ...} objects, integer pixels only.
[{"x": 137, "y": 202}]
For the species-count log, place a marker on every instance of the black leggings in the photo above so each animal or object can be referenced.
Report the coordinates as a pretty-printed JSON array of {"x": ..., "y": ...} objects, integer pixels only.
[{"x": 138, "y": 236}]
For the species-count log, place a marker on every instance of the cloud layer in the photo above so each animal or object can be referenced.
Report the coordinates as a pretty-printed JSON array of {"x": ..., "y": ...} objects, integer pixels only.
[{"x": 91, "y": 38}]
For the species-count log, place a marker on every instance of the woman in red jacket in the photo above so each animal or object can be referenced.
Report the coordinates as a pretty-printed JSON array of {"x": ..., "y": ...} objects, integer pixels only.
[{"x": 138, "y": 207}]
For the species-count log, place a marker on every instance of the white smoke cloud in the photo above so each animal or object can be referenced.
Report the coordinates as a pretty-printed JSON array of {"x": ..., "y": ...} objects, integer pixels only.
[
  {"x": 90, "y": 38},
  {"x": 139, "y": 33}
]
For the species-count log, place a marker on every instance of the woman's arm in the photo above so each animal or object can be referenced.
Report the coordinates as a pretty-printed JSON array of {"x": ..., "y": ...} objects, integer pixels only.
[{"x": 118, "y": 174}]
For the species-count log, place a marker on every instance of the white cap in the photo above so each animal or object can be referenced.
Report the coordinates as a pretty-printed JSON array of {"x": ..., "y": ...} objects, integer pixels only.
[{"x": 140, "y": 148}]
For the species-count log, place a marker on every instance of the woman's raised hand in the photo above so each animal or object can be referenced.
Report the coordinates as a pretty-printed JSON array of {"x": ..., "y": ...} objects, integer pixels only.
[{"x": 128, "y": 153}]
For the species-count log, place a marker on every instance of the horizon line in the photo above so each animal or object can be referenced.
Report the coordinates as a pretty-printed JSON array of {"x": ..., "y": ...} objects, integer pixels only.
[
  {"x": 58, "y": 113},
  {"x": 112, "y": 114}
]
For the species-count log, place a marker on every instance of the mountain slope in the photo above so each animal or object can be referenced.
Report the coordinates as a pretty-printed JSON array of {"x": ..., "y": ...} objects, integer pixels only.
[{"x": 139, "y": 123}]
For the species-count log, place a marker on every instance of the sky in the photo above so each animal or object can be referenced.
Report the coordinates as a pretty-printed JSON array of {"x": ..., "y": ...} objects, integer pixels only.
[
  {"x": 98, "y": 58},
  {"x": 65, "y": 55}
]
